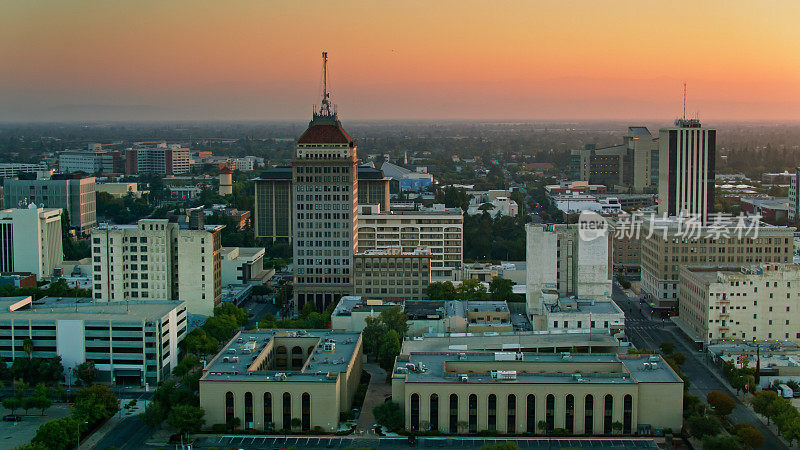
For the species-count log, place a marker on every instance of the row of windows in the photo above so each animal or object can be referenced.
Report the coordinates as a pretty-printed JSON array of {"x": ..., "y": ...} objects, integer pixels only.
[{"x": 269, "y": 410}]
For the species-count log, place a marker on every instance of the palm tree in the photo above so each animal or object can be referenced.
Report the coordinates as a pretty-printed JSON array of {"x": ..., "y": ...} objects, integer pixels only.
[{"x": 27, "y": 346}]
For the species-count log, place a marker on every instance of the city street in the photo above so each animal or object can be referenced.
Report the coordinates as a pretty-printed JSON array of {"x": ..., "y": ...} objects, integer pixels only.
[{"x": 703, "y": 376}]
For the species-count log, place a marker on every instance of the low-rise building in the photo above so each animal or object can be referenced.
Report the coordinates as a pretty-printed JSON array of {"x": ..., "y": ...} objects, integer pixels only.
[
  {"x": 242, "y": 265},
  {"x": 770, "y": 209},
  {"x": 128, "y": 342},
  {"x": 512, "y": 392},
  {"x": 391, "y": 274},
  {"x": 269, "y": 378},
  {"x": 741, "y": 303},
  {"x": 601, "y": 316},
  {"x": 119, "y": 189}
]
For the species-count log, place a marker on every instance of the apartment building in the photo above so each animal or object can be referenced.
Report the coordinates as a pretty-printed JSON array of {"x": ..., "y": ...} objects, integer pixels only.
[
  {"x": 131, "y": 343},
  {"x": 794, "y": 196},
  {"x": 163, "y": 159},
  {"x": 438, "y": 229},
  {"x": 91, "y": 160},
  {"x": 757, "y": 302},
  {"x": 561, "y": 260},
  {"x": 632, "y": 164},
  {"x": 30, "y": 241},
  {"x": 512, "y": 392},
  {"x": 268, "y": 378},
  {"x": 158, "y": 260},
  {"x": 667, "y": 244},
  {"x": 391, "y": 274},
  {"x": 74, "y": 194}
]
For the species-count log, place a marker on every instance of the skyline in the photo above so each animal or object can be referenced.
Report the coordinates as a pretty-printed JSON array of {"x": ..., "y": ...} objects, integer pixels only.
[{"x": 459, "y": 61}]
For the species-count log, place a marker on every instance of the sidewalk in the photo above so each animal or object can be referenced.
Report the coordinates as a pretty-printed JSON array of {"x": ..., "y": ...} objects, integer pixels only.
[{"x": 111, "y": 423}]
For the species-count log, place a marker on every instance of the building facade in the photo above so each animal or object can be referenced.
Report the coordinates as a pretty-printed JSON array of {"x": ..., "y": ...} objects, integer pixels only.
[
  {"x": 746, "y": 303},
  {"x": 392, "y": 274},
  {"x": 794, "y": 196},
  {"x": 158, "y": 260},
  {"x": 686, "y": 169},
  {"x": 438, "y": 229},
  {"x": 632, "y": 164},
  {"x": 511, "y": 393},
  {"x": 669, "y": 244},
  {"x": 11, "y": 170},
  {"x": 73, "y": 194},
  {"x": 273, "y": 205},
  {"x": 268, "y": 378},
  {"x": 130, "y": 343},
  {"x": 164, "y": 159},
  {"x": 30, "y": 241}
]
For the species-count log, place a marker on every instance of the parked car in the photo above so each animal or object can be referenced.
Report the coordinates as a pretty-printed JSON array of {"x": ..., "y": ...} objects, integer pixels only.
[{"x": 12, "y": 418}]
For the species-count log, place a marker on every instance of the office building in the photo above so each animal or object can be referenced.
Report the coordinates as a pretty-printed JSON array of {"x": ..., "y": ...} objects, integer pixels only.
[
  {"x": 512, "y": 392},
  {"x": 632, "y": 164},
  {"x": 755, "y": 302},
  {"x": 163, "y": 159},
  {"x": 30, "y": 241},
  {"x": 686, "y": 169},
  {"x": 75, "y": 195},
  {"x": 391, "y": 274},
  {"x": 225, "y": 181},
  {"x": 668, "y": 244},
  {"x": 274, "y": 207},
  {"x": 158, "y": 260},
  {"x": 561, "y": 260},
  {"x": 268, "y": 378},
  {"x": 91, "y": 160},
  {"x": 131, "y": 343},
  {"x": 11, "y": 170},
  {"x": 241, "y": 265},
  {"x": 437, "y": 229},
  {"x": 794, "y": 196}
]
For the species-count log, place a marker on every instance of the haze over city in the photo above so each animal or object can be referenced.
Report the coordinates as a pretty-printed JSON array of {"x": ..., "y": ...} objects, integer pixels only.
[{"x": 524, "y": 60}]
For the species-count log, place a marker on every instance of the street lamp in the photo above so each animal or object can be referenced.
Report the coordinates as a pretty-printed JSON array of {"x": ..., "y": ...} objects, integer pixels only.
[{"x": 79, "y": 434}]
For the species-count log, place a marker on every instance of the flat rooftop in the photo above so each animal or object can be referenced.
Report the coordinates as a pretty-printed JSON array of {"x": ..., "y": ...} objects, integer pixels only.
[
  {"x": 509, "y": 341},
  {"x": 234, "y": 361},
  {"x": 572, "y": 306},
  {"x": 534, "y": 368},
  {"x": 54, "y": 308}
]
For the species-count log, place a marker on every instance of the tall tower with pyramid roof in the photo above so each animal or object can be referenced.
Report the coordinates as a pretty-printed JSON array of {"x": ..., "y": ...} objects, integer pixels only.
[{"x": 325, "y": 196}]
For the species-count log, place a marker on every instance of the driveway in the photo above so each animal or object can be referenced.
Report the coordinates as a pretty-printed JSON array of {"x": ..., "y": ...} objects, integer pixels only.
[{"x": 376, "y": 394}]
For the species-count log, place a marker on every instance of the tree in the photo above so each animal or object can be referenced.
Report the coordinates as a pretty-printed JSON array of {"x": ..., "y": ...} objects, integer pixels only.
[
  {"x": 722, "y": 404},
  {"x": 501, "y": 289},
  {"x": 12, "y": 403},
  {"x": 95, "y": 403},
  {"x": 86, "y": 372},
  {"x": 791, "y": 431},
  {"x": 389, "y": 415},
  {"x": 59, "y": 434},
  {"x": 726, "y": 442},
  {"x": 186, "y": 365},
  {"x": 667, "y": 347},
  {"x": 542, "y": 425},
  {"x": 700, "y": 426},
  {"x": 295, "y": 423},
  {"x": 616, "y": 426},
  {"x": 388, "y": 350},
  {"x": 199, "y": 342},
  {"x": 27, "y": 346},
  {"x": 441, "y": 290},
  {"x": 41, "y": 403},
  {"x": 764, "y": 403},
  {"x": 28, "y": 403},
  {"x": 749, "y": 435},
  {"x": 153, "y": 414},
  {"x": 234, "y": 423},
  {"x": 501, "y": 446},
  {"x": 186, "y": 418},
  {"x": 471, "y": 289}
]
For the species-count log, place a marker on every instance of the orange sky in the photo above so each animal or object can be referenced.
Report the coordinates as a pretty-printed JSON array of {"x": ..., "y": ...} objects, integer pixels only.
[{"x": 527, "y": 59}]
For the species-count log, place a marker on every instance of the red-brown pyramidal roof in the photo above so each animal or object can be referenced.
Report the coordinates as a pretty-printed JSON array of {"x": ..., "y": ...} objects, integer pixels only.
[{"x": 324, "y": 130}]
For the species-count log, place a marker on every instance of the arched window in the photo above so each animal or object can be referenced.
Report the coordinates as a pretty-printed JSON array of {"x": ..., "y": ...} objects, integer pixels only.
[
  {"x": 588, "y": 414},
  {"x": 268, "y": 424},
  {"x": 297, "y": 357},
  {"x": 473, "y": 413},
  {"x": 306, "y": 407},
  {"x": 281, "y": 357},
  {"x": 550, "y": 411},
  {"x": 569, "y": 413},
  {"x": 627, "y": 413},
  {"x": 415, "y": 412},
  {"x": 511, "y": 416},
  {"x": 287, "y": 411},
  {"x": 434, "y": 409},
  {"x": 492, "y": 412},
  {"x": 453, "y": 413},
  {"x": 608, "y": 409},
  {"x": 248, "y": 410},
  {"x": 530, "y": 414},
  {"x": 229, "y": 408}
]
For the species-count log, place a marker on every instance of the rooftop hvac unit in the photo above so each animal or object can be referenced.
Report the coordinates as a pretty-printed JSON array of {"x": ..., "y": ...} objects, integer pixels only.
[
  {"x": 504, "y": 374},
  {"x": 464, "y": 377}
]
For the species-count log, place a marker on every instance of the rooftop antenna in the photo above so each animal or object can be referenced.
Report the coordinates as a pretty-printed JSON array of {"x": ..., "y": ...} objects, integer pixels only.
[
  {"x": 325, "y": 107},
  {"x": 684, "y": 100}
]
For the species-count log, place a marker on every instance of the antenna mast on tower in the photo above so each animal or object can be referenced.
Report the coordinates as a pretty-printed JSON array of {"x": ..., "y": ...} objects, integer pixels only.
[
  {"x": 325, "y": 107},
  {"x": 684, "y": 100}
]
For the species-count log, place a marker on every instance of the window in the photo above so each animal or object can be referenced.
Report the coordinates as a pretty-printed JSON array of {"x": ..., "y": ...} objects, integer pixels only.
[
  {"x": 473, "y": 413},
  {"x": 453, "y": 413},
  {"x": 434, "y": 412},
  {"x": 530, "y": 414},
  {"x": 415, "y": 412},
  {"x": 588, "y": 414}
]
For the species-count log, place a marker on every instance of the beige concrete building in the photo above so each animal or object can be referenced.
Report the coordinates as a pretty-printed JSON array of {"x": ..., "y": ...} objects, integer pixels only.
[
  {"x": 752, "y": 302},
  {"x": 267, "y": 378},
  {"x": 158, "y": 260},
  {"x": 668, "y": 244},
  {"x": 632, "y": 164},
  {"x": 31, "y": 241},
  {"x": 437, "y": 229},
  {"x": 391, "y": 274},
  {"x": 510, "y": 393},
  {"x": 118, "y": 189}
]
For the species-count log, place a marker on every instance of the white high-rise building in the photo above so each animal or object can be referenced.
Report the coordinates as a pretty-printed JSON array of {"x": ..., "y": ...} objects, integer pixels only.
[
  {"x": 686, "y": 169},
  {"x": 30, "y": 240},
  {"x": 325, "y": 196},
  {"x": 794, "y": 195},
  {"x": 158, "y": 260}
]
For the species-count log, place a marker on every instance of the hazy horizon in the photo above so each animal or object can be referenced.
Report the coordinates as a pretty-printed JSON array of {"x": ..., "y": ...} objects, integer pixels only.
[{"x": 468, "y": 60}]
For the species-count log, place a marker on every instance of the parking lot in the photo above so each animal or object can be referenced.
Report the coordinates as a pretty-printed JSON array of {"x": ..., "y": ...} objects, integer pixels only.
[
  {"x": 422, "y": 442},
  {"x": 13, "y": 434}
]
